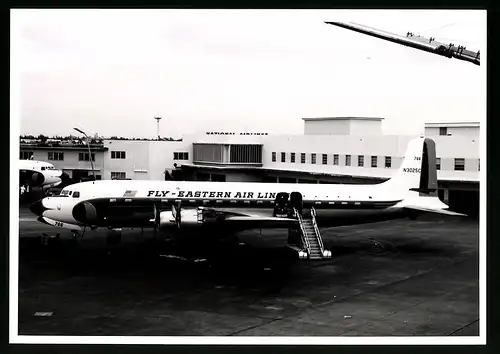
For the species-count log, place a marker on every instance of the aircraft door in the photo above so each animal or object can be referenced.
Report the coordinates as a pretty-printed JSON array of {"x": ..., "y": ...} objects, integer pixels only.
[
  {"x": 281, "y": 205},
  {"x": 296, "y": 201}
]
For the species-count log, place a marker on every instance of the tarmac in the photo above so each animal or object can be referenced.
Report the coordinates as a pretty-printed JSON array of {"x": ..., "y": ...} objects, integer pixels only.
[{"x": 394, "y": 278}]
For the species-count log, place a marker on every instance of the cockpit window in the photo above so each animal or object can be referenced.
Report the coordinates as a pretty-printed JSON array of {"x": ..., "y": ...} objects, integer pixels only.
[
  {"x": 70, "y": 192},
  {"x": 43, "y": 168},
  {"x": 64, "y": 192},
  {"x": 76, "y": 194}
]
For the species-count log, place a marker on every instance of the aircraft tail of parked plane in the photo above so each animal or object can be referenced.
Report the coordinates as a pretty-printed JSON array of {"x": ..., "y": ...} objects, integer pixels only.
[
  {"x": 173, "y": 206},
  {"x": 417, "y": 173}
]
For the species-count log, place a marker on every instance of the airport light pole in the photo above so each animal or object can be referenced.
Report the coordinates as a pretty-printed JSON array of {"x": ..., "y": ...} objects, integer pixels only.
[
  {"x": 90, "y": 154},
  {"x": 158, "y": 127}
]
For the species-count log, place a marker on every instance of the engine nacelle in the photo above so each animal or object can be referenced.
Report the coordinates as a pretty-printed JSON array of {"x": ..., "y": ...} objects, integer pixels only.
[
  {"x": 37, "y": 178},
  {"x": 190, "y": 217},
  {"x": 85, "y": 212}
]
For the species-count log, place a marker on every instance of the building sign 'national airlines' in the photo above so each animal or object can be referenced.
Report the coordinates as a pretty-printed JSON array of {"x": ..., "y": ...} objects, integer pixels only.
[{"x": 210, "y": 194}]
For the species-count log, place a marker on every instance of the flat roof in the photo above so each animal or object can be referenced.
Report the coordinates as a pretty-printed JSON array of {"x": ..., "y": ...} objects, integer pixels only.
[
  {"x": 342, "y": 118},
  {"x": 451, "y": 124},
  {"x": 84, "y": 148},
  {"x": 318, "y": 174}
]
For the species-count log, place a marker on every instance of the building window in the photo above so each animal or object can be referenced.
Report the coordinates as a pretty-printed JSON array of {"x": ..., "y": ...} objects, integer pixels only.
[
  {"x": 283, "y": 157},
  {"x": 117, "y": 154},
  {"x": 245, "y": 153},
  {"x": 361, "y": 161},
  {"x": 273, "y": 157},
  {"x": 84, "y": 156},
  {"x": 181, "y": 156},
  {"x": 388, "y": 162},
  {"x": 478, "y": 164},
  {"x": 374, "y": 161},
  {"x": 118, "y": 175},
  {"x": 438, "y": 163},
  {"x": 26, "y": 155},
  {"x": 292, "y": 157},
  {"x": 209, "y": 153},
  {"x": 325, "y": 159},
  {"x": 313, "y": 158},
  {"x": 459, "y": 164},
  {"x": 302, "y": 157},
  {"x": 335, "y": 159},
  {"x": 56, "y": 156},
  {"x": 348, "y": 160},
  {"x": 443, "y": 131}
]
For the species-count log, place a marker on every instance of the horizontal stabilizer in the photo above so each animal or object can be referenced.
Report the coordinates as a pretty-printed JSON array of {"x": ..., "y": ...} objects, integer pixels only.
[
  {"x": 436, "y": 211},
  {"x": 424, "y": 190}
]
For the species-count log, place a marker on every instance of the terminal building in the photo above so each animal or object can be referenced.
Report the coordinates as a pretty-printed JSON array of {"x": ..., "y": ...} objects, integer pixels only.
[{"x": 331, "y": 150}]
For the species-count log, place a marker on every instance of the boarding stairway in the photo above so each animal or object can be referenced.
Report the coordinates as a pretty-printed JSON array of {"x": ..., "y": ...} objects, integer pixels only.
[{"x": 311, "y": 237}]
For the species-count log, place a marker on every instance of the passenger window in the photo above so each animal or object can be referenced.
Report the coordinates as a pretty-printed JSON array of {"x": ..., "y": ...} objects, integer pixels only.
[{"x": 76, "y": 195}]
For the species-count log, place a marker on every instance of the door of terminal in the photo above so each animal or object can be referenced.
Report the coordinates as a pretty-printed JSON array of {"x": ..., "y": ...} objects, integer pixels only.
[{"x": 79, "y": 175}]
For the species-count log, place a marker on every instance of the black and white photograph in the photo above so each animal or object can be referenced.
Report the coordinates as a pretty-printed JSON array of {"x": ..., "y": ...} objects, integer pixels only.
[{"x": 192, "y": 176}]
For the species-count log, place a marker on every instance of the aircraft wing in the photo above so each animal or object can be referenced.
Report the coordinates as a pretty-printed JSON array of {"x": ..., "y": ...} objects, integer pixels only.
[
  {"x": 426, "y": 44},
  {"x": 247, "y": 218}
]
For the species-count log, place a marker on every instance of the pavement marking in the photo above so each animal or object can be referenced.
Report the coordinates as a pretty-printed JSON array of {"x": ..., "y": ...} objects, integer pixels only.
[
  {"x": 26, "y": 219},
  {"x": 461, "y": 328},
  {"x": 43, "y": 314},
  {"x": 274, "y": 308}
]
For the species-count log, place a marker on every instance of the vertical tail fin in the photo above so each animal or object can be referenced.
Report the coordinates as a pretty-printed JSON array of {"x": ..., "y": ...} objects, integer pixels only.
[
  {"x": 418, "y": 174},
  {"x": 418, "y": 169}
]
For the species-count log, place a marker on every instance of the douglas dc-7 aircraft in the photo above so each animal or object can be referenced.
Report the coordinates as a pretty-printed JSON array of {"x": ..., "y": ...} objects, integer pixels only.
[
  {"x": 171, "y": 205},
  {"x": 38, "y": 174}
]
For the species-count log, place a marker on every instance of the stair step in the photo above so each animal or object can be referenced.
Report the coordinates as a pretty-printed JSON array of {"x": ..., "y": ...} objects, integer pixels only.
[{"x": 313, "y": 258}]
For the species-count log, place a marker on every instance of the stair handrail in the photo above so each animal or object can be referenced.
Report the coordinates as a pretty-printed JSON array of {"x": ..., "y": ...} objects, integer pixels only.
[
  {"x": 316, "y": 230},
  {"x": 303, "y": 231}
]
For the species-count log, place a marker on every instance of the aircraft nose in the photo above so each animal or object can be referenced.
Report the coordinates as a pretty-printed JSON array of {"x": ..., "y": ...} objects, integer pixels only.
[{"x": 38, "y": 208}]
